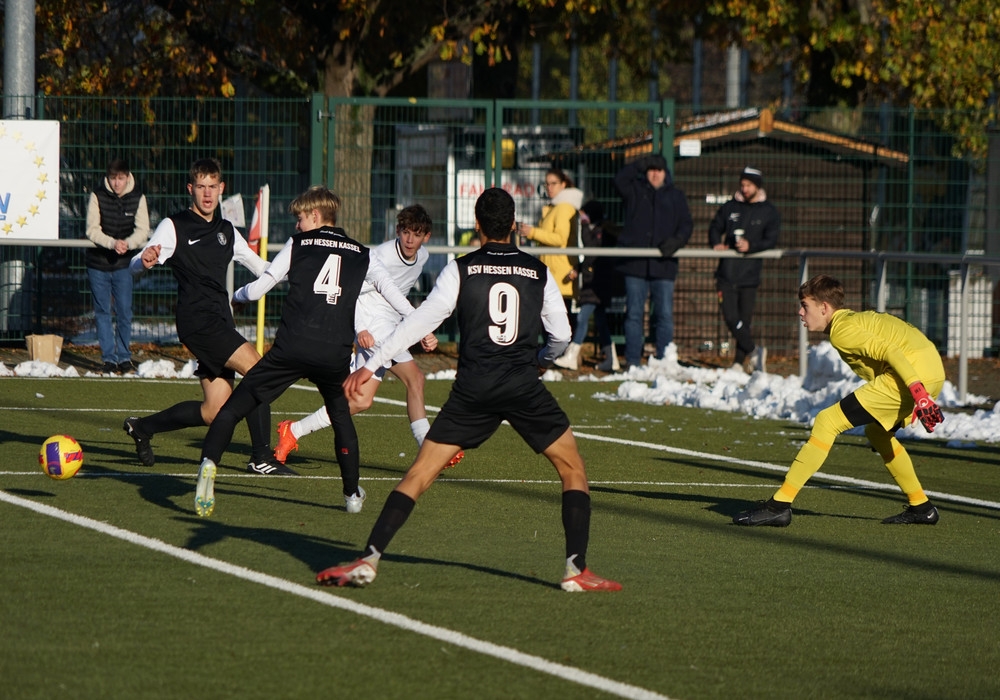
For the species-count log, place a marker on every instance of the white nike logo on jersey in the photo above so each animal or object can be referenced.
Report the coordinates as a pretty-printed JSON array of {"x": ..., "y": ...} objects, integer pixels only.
[{"x": 194, "y": 241}]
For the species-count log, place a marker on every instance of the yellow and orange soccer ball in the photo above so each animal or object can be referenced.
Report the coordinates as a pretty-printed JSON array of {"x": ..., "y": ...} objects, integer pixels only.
[{"x": 60, "y": 457}]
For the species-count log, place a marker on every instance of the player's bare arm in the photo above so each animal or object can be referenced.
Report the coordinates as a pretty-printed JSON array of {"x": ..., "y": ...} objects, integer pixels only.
[{"x": 353, "y": 384}]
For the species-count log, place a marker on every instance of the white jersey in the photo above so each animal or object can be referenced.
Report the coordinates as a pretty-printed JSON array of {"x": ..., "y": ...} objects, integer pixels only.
[{"x": 374, "y": 314}]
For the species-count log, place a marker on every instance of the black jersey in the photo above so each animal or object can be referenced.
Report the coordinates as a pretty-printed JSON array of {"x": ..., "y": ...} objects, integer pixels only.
[
  {"x": 199, "y": 262},
  {"x": 499, "y": 309},
  {"x": 325, "y": 275}
]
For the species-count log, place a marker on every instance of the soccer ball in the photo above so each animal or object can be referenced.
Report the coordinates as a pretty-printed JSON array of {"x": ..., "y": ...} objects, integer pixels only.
[{"x": 60, "y": 457}]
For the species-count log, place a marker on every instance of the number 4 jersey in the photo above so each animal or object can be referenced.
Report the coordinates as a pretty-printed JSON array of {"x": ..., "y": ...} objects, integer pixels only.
[{"x": 325, "y": 270}]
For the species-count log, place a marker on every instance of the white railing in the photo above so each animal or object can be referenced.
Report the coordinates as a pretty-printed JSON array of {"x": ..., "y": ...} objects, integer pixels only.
[{"x": 963, "y": 263}]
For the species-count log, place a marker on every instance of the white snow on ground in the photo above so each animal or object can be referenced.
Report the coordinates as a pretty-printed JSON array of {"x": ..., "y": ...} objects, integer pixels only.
[{"x": 666, "y": 382}]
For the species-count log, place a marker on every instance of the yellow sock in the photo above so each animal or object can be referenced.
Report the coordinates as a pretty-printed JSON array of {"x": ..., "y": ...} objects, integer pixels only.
[
  {"x": 897, "y": 461},
  {"x": 830, "y": 423}
]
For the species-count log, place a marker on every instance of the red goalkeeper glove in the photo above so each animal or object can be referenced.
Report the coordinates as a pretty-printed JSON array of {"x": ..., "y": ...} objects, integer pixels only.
[{"x": 924, "y": 409}]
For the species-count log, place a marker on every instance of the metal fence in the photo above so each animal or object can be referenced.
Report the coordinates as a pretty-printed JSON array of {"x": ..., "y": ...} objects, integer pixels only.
[{"x": 849, "y": 181}]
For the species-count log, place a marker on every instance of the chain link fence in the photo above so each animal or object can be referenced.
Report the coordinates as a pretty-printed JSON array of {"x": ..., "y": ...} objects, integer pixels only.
[{"x": 845, "y": 181}]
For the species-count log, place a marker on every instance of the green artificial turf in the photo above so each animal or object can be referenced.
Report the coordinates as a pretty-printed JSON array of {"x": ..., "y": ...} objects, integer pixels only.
[{"x": 836, "y": 605}]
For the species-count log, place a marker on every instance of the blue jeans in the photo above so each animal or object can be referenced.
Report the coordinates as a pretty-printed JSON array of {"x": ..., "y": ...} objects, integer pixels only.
[
  {"x": 661, "y": 321},
  {"x": 112, "y": 289},
  {"x": 601, "y": 327}
]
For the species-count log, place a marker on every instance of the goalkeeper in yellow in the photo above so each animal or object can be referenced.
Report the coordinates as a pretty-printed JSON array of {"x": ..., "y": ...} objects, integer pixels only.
[{"x": 903, "y": 372}]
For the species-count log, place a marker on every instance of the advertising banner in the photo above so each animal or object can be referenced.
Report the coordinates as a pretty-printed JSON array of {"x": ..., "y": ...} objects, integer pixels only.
[{"x": 29, "y": 179}]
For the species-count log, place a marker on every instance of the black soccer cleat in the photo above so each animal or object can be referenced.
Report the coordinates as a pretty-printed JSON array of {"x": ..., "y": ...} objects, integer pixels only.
[
  {"x": 911, "y": 516},
  {"x": 266, "y": 468},
  {"x": 762, "y": 515},
  {"x": 142, "y": 447}
]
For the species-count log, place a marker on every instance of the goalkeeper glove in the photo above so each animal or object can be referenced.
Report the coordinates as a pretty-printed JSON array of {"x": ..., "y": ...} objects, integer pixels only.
[{"x": 924, "y": 409}]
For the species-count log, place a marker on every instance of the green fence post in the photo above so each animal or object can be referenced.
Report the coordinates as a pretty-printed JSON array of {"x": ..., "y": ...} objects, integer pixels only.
[
  {"x": 667, "y": 122},
  {"x": 317, "y": 144}
]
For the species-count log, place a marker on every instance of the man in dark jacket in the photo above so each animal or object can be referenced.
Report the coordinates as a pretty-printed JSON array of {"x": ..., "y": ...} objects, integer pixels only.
[
  {"x": 747, "y": 223},
  {"x": 656, "y": 216}
]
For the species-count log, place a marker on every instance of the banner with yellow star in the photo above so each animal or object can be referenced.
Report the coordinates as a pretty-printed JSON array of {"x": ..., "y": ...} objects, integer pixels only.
[{"x": 29, "y": 179}]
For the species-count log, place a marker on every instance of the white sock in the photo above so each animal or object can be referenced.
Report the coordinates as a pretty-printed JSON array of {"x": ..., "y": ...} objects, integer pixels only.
[
  {"x": 420, "y": 428},
  {"x": 310, "y": 424}
]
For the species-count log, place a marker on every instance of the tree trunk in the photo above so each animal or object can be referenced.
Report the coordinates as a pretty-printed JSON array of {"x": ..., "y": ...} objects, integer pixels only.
[{"x": 353, "y": 148}]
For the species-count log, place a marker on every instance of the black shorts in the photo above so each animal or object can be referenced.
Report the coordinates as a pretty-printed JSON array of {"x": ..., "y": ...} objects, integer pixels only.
[
  {"x": 278, "y": 370},
  {"x": 213, "y": 348},
  {"x": 468, "y": 420},
  {"x": 282, "y": 366}
]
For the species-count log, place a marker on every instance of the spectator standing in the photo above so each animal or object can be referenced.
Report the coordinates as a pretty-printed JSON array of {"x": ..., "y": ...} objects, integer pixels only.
[
  {"x": 117, "y": 223},
  {"x": 656, "y": 216},
  {"x": 747, "y": 223},
  {"x": 558, "y": 229},
  {"x": 596, "y": 281}
]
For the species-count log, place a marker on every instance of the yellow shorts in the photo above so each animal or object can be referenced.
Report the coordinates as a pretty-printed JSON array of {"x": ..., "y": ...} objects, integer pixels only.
[{"x": 888, "y": 399}]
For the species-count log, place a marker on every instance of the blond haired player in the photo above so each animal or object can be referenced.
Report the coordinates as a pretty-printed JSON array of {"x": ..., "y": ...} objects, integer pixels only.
[{"x": 375, "y": 319}]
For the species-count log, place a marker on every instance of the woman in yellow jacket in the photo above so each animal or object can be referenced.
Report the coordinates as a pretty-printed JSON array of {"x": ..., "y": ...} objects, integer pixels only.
[{"x": 557, "y": 229}]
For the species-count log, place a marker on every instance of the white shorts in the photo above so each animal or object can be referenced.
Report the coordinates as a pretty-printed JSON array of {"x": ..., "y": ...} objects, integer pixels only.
[{"x": 362, "y": 355}]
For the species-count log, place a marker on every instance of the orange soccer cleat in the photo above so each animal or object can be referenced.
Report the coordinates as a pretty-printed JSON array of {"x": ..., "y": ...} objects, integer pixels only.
[
  {"x": 286, "y": 441},
  {"x": 587, "y": 581}
]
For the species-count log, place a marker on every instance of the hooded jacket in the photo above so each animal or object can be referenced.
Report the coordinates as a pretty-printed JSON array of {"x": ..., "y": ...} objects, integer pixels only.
[
  {"x": 654, "y": 218},
  {"x": 111, "y": 218},
  {"x": 558, "y": 229},
  {"x": 761, "y": 224}
]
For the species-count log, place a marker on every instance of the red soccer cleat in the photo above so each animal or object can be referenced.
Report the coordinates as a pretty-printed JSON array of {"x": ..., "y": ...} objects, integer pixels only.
[
  {"x": 286, "y": 441},
  {"x": 358, "y": 573},
  {"x": 587, "y": 581},
  {"x": 455, "y": 460}
]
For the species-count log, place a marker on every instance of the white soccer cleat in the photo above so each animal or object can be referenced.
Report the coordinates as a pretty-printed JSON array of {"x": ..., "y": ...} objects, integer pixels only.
[
  {"x": 358, "y": 573},
  {"x": 204, "y": 496},
  {"x": 355, "y": 502}
]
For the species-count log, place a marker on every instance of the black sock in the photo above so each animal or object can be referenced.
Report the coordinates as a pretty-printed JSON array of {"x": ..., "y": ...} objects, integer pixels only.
[
  {"x": 259, "y": 425},
  {"x": 576, "y": 525},
  {"x": 396, "y": 510},
  {"x": 186, "y": 414}
]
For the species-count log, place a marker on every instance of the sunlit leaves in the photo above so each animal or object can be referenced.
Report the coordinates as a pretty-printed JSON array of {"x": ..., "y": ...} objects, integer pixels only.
[{"x": 923, "y": 53}]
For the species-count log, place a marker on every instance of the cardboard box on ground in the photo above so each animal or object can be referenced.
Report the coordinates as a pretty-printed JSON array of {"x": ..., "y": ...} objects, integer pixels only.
[{"x": 44, "y": 348}]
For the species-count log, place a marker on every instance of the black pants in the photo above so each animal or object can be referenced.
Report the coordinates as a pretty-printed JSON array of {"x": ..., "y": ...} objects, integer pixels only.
[{"x": 736, "y": 304}]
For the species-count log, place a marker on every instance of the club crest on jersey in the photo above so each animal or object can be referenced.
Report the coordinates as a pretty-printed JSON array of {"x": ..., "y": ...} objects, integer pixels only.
[{"x": 221, "y": 237}]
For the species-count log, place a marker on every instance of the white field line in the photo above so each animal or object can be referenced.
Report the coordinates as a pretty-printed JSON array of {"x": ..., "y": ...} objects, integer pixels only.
[
  {"x": 821, "y": 476},
  {"x": 836, "y": 478},
  {"x": 506, "y": 654}
]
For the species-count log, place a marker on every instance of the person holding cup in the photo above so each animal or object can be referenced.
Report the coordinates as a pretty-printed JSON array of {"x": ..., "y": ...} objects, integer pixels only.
[{"x": 747, "y": 223}]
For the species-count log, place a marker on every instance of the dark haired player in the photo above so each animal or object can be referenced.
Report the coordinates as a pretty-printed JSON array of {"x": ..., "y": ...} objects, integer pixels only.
[{"x": 505, "y": 299}]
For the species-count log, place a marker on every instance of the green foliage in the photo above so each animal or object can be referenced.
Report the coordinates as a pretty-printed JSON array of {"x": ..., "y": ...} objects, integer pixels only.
[
  {"x": 919, "y": 53},
  {"x": 916, "y": 53}
]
